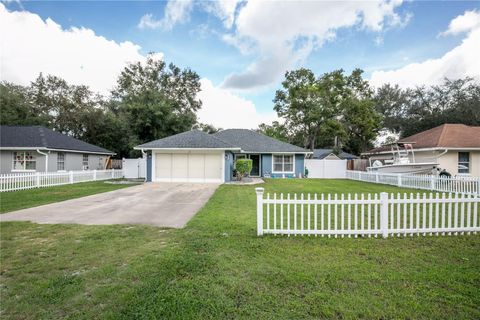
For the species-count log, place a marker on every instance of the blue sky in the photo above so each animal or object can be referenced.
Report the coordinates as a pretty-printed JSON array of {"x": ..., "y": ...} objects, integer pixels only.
[{"x": 383, "y": 38}]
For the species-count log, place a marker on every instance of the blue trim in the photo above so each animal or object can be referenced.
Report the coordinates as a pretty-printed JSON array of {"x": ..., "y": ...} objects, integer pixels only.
[
  {"x": 149, "y": 166},
  {"x": 228, "y": 166}
]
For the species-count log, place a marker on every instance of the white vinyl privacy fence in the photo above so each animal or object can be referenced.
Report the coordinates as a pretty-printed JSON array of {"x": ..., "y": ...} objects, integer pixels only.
[
  {"x": 326, "y": 169},
  {"x": 134, "y": 168},
  {"x": 21, "y": 181},
  {"x": 367, "y": 214},
  {"x": 469, "y": 185}
]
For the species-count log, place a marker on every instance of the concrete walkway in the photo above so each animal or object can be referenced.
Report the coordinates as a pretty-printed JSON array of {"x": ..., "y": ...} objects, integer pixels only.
[{"x": 159, "y": 204}]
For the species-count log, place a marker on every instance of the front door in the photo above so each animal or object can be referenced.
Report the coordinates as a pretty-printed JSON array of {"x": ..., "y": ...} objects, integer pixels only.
[{"x": 255, "y": 165}]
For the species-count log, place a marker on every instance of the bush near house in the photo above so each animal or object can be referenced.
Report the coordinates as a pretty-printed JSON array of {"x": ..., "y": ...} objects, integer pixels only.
[{"x": 243, "y": 166}]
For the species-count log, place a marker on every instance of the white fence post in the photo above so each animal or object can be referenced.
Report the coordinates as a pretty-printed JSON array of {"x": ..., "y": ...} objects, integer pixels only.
[
  {"x": 71, "y": 176},
  {"x": 399, "y": 180},
  {"x": 94, "y": 175},
  {"x": 376, "y": 176},
  {"x": 384, "y": 214},
  {"x": 259, "y": 192},
  {"x": 113, "y": 173},
  {"x": 432, "y": 182},
  {"x": 38, "y": 179}
]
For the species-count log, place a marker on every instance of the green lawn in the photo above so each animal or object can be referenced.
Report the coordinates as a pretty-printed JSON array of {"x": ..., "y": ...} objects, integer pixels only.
[
  {"x": 15, "y": 200},
  {"x": 217, "y": 268}
]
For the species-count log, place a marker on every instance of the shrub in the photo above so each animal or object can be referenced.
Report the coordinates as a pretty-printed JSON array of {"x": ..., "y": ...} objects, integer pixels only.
[{"x": 243, "y": 166}]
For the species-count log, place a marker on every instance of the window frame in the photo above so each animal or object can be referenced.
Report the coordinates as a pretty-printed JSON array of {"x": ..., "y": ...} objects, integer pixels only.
[
  {"x": 84, "y": 156},
  {"x": 283, "y": 163},
  {"x": 465, "y": 163},
  {"x": 64, "y": 154},
  {"x": 24, "y": 161}
]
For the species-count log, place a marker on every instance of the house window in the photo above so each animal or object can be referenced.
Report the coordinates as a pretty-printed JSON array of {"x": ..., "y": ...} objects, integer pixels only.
[
  {"x": 24, "y": 160},
  {"x": 61, "y": 161},
  {"x": 85, "y": 161},
  {"x": 283, "y": 163},
  {"x": 464, "y": 162}
]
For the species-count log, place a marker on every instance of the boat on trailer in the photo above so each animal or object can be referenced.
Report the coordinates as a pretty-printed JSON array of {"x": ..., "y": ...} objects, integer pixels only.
[{"x": 403, "y": 162}]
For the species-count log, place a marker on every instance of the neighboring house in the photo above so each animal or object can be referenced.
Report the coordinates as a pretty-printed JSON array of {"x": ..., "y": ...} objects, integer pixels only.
[
  {"x": 195, "y": 156},
  {"x": 328, "y": 154},
  {"x": 36, "y": 148},
  {"x": 456, "y": 147}
]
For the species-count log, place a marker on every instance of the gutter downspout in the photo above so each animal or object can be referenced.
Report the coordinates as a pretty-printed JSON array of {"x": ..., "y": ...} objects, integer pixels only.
[
  {"x": 443, "y": 153},
  {"x": 46, "y": 159}
]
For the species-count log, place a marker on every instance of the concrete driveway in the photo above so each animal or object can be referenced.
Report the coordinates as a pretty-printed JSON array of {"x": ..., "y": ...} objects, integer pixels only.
[{"x": 159, "y": 204}]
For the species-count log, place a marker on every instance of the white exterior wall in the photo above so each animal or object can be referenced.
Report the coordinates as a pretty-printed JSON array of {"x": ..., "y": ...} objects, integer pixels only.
[{"x": 449, "y": 160}]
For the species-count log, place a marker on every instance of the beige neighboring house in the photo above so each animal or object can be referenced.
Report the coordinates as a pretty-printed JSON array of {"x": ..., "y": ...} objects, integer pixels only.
[{"x": 456, "y": 148}]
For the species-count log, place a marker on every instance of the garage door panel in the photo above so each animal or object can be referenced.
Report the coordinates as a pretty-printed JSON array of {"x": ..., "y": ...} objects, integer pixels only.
[
  {"x": 180, "y": 167},
  {"x": 196, "y": 166},
  {"x": 163, "y": 167},
  {"x": 213, "y": 167}
]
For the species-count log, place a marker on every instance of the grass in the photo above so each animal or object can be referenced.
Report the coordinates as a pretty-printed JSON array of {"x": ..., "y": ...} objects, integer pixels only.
[
  {"x": 16, "y": 200},
  {"x": 217, "y": 268}
]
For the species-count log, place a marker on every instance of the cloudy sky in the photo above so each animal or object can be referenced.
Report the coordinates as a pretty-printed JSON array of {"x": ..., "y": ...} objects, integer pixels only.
[{"x": 240, "y": 49}]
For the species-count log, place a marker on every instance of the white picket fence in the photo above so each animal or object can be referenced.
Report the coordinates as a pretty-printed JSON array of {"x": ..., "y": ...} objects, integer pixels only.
[
  {"x": 367, "y": 215},
  {"x": 469, "y": 185},
  {"x": 22, "y": 181}
]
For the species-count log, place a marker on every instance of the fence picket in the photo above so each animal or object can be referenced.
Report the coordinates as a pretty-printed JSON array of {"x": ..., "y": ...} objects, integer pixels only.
[
  {"x": 30, "y": 180},
  {"x": 459, "y": 184},
  {"x": 457, "y": 214}
]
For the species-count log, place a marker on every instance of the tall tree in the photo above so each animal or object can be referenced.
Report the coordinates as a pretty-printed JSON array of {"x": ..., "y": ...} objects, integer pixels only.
[
  {"x": 156, "y": 100},
  {"x": 15, "y": 108},
  {"x": 334, "y": 109}
]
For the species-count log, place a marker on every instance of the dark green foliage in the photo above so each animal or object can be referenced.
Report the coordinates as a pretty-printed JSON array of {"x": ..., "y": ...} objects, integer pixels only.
[
  {"x": 409, "y": 111},
  {"x": 331, "y": 110},
  {"x": 243, "y": 167}
]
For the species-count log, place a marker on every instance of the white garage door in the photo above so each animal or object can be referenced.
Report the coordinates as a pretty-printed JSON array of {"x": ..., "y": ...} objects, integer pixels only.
[{"x": 195, "y": 167}]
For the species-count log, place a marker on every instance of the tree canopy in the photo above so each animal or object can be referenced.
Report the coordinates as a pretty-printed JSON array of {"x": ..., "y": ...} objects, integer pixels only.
[
  {"x": 412, "y": 110},
  {"x": 333, "y": 109}
]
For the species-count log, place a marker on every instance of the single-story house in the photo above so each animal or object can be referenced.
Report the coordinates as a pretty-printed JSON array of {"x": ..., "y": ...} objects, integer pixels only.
[
  {"x": 328, "y": 154},
  {"x": 36, "y": 148},
  {"x": 195, "y": 156},
  {"x": 456, "y": 148}
]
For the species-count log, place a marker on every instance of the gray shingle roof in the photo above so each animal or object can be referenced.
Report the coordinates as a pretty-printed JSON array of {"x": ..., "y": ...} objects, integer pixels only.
[
  {"x": 43, "y": 138},
  {"x": 322, "y": 153},
  {"x": 252, "y": 141},
  {"x": 194, "y": 139}
]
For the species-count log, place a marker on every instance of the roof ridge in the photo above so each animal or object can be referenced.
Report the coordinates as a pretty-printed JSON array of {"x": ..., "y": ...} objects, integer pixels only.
[{"x": 442, "y": 134}]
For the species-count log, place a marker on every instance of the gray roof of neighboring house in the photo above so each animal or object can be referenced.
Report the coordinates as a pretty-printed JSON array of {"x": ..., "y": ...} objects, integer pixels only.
[
  {"x": 322, "y": 153},
  {"x": 252, "y": 141},
  {"x": 43, "y": 138},
  {"x": 193, "y": 139}
]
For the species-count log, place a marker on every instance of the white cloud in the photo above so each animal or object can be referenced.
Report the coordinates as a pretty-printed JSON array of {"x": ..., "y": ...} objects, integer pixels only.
[
  {"x": 224, "y": 109},
  {"x": 223, "y": 9},
  {"x": 176, "y": 11},
  {"x": 283, "y": 33},
  {"x": 30, "y": 45},
  {"x": 468, "y": 21},
  {"x": 460, "y": 62}
]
